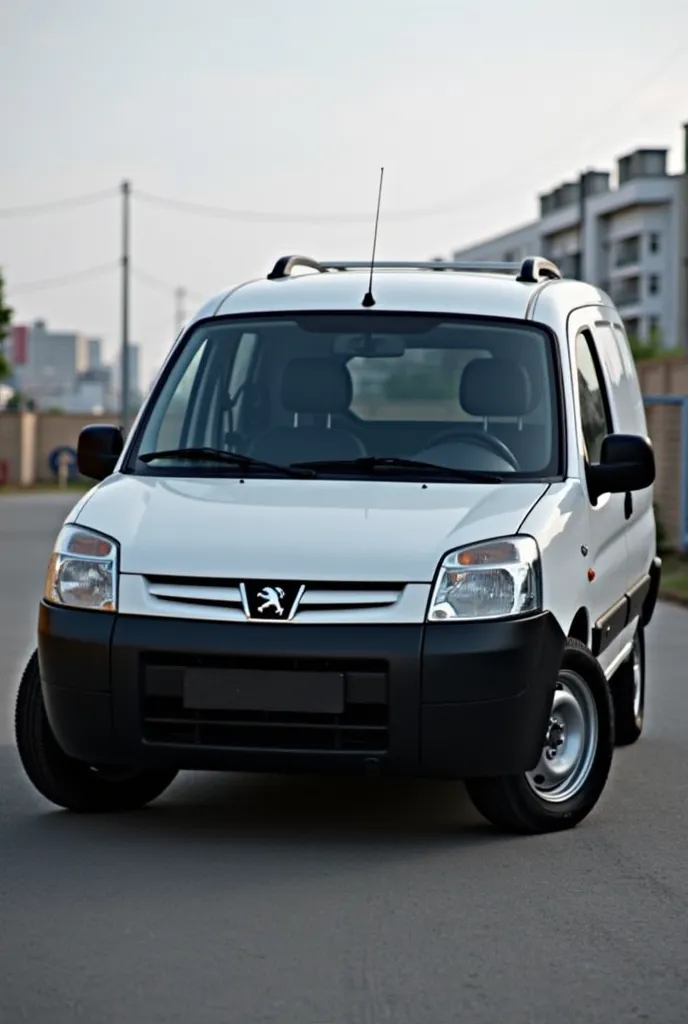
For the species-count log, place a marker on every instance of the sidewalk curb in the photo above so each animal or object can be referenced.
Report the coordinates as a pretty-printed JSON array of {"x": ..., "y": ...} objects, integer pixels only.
[{"x": 12, "y": 490}]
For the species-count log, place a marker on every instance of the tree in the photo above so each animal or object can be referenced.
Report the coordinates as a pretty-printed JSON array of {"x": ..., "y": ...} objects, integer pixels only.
[
  {"x": 651, "y": 347},
  {"x": 5, "y": 320}
]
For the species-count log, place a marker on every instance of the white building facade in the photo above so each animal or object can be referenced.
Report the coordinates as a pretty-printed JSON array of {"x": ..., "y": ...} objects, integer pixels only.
[{"x": 630, "y": 240}]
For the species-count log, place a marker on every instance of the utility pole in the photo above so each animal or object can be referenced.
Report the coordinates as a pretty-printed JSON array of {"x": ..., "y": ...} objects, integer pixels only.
[
  {"x": 180, "y": 314},
  {"x": 126, "y": 270}
]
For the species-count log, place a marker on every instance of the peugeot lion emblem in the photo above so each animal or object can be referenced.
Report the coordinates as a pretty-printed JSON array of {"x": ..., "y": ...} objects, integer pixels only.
[
  {"x": 268, "y": 601},
  {"x": 271, "y": 597}
]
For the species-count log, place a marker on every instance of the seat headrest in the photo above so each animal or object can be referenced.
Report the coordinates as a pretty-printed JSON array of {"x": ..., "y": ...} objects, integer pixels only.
[
  {"x": 495, "y": 387},
  {"x": 316, "y": 386}
]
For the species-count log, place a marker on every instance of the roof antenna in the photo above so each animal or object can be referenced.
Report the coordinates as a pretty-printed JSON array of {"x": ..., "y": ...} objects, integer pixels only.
[{"x": 368, "y": 299}]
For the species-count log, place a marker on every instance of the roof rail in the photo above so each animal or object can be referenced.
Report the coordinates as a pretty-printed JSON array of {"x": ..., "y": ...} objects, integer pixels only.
[
  {"x": 475, "y": 267},
  {"x": 535, "y": 269},
  {"x": 532, "y": 270},
  {"x": 285, "y": 265}
]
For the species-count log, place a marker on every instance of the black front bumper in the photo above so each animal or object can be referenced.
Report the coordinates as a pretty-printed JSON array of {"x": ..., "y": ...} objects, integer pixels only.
[{"x": 453, "y": 700}]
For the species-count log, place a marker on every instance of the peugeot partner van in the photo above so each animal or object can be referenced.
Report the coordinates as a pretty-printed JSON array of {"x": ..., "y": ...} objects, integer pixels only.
[{"x": 410, "y": 535}]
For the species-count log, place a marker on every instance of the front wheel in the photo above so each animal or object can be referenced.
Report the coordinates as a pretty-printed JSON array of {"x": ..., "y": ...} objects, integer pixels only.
[
  {"x": 69, "y": 783},
  {"x": 575, "y": 762}
]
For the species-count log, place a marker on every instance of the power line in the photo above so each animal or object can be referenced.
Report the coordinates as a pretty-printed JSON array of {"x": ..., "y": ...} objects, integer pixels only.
[
  {"x": 247, "y": 216},
  {"x": 166, "y": 327},
  {"x": 153, "y": 282},
  {"x": 179, "y": 293},
  {"x": 65, "y": 279},
  {"x": 255, "y": 216},
  {"x": 96, "y": 271},
  {"x": 625, "y": 103},
  {"x": 259, "y": 217},
  {"x": 275, "y": 217},
  {"x": 58, "y": 204},
  {"x": 165, "y": 286},
  {"x": 262, "y": 217}
]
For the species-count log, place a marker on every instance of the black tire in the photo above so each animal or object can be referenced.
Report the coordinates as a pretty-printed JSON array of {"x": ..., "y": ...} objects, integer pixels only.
[
  {"x": 65, "y": 781},
  {"x": 512, "y": 804},
  {"x": 630, "y": 717}
]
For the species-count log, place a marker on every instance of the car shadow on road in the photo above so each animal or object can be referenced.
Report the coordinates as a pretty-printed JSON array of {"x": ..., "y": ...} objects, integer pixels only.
[{"x": 243, "y": 809}]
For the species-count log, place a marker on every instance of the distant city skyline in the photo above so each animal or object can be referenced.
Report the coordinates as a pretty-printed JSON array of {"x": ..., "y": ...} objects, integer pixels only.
[{"x": 58, "y": 369}]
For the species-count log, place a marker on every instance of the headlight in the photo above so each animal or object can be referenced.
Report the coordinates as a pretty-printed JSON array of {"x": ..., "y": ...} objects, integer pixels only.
[
  {"x": 488, "y": 581},
  {"x": 82, "y": 572}
]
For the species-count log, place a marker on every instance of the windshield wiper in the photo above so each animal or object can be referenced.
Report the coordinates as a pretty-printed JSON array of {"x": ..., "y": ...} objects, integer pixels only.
[
  {"x": 228, "y": 458},
  {"x": 371, "y": 463}
]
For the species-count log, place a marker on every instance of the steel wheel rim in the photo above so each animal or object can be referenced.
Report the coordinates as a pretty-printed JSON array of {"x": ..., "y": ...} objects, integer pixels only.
[
  {"x": 570, "y": 744},
  {"x": 637, "y": 667}
]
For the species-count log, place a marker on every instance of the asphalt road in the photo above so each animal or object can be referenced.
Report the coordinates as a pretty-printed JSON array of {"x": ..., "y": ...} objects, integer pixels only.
[{"x": 242, "y": 901}]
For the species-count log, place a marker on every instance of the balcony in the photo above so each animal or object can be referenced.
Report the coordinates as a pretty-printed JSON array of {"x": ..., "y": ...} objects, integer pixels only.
[
  {"x": 626, "y": 292},
  {"x": 627, "y": 252},
  {"x": 569, "y": 264}
]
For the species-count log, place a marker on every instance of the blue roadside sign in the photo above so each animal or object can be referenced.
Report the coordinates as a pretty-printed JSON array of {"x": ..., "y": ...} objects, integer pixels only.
[{"x": 57, "y": 455}]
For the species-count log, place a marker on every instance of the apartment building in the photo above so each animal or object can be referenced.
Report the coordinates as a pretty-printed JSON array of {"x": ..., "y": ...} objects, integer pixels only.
[{"x": 629, "y": 238}]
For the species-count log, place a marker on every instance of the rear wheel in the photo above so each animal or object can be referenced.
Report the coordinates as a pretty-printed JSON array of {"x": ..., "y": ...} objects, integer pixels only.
[
  {"x": 628, "y": 694},
  {"x": 69, "y": 783},
  {"x": 576, "y": 757}
]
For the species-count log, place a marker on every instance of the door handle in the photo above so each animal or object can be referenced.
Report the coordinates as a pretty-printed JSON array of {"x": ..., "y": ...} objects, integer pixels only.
[{"x": 628, "y": 505}]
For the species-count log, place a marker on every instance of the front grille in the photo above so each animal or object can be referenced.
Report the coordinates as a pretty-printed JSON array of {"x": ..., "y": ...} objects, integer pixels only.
[
  {"x": 225, "y": 595},
  {"x": 362, "y": 726}
]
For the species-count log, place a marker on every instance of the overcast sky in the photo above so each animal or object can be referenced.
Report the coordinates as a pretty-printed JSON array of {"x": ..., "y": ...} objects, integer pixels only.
[{"x": 291, "y": 108}]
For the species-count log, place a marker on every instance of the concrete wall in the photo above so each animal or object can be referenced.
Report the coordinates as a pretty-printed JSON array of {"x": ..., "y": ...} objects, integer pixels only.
[
  {"x": 668, "y": 376},
  {"x": 664, "y": 428},
  {"x": 664, "y": 376},
  {"x": 10, "y": 446},
  {"x": 26, "y": 440},
  {"x": 57, "y": 430}
]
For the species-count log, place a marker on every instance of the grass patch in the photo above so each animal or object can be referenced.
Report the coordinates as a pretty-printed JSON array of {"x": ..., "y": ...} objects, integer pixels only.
[{"x": 674, "y": 576}]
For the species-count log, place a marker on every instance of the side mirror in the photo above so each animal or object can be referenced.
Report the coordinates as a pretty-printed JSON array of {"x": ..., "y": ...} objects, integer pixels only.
[
  {"x": 99, "y": 447},
  {"x": 627, "y": 463}
]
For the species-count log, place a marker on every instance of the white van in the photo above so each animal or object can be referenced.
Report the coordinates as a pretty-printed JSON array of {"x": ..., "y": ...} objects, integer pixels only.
[{"x": 410, "y": 535}]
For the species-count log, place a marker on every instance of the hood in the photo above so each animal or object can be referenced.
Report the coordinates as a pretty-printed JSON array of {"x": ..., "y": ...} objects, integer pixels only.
[{"x": 380, "y": 531}]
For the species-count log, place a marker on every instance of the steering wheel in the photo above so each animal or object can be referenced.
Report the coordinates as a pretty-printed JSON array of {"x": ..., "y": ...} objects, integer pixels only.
[{"x": 482, "y": 440}]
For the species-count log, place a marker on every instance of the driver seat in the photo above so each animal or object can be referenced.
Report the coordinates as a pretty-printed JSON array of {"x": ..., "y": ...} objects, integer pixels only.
[
  {"x": 507, "y": 389},
  {"x": 318, "y": 388},
  {"x": 503, "y": 388},
  {"x": 496, "y": 388}
]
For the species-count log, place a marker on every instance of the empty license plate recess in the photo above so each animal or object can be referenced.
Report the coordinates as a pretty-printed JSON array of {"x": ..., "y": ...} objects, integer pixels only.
[{"x": 263, "y": 690}]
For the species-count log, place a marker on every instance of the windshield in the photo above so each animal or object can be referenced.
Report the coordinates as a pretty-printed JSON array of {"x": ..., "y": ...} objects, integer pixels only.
[{"x": 330, "y": 389}]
